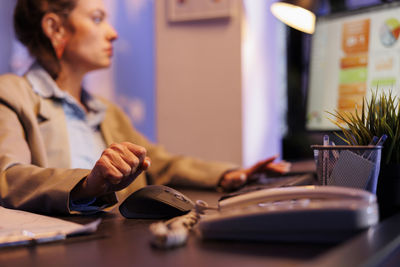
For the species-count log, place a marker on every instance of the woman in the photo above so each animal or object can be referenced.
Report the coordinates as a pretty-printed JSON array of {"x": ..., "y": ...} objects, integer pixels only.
[{"x": 63, "y": 150}]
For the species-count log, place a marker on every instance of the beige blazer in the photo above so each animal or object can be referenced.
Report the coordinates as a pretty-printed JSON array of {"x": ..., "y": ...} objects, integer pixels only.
[{"x": 35, "y": 172}]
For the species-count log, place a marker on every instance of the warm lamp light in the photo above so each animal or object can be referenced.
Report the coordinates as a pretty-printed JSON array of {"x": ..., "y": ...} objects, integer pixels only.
[{"x": 295, "y": 16}]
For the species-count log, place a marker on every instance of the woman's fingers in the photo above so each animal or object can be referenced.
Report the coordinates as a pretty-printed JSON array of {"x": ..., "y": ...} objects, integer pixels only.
[
  {"x": 237, "y": 178},
  {"x": 117, "y": 167},
  {"x": 280, "y": 167},
  {"x": 139, "y": 151},
  {"x": 146, "y": 163},
  {"x": 233, "y": 179},
  {"x": 269, "y": 166},
  {"x": 116, "y": 163},
  {"x": 260, "y": 166},
  {"x": 127, "y": 157}
]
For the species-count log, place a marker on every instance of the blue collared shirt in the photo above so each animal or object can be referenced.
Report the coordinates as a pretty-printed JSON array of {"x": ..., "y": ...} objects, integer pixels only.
[{"x": 86, "y": 142}]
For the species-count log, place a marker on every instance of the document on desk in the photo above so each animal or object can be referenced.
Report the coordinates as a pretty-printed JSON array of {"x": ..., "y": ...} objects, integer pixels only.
[{"x": 21, "y": 228}]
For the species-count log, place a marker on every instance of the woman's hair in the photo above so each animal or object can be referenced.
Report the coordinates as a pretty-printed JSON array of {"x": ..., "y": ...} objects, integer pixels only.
[{"x": 28, "y": 16}]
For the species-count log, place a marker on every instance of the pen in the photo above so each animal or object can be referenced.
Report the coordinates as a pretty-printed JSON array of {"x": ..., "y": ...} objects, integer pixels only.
[
  {"x": 325, "y": 160},
  {"x": 326, "y": 140},
  {"x": 334, "y": 151},
  {"x": 374, "y": 140},
  {"x": 379, "y": 143},
  {"x": 381, "y": 140}
]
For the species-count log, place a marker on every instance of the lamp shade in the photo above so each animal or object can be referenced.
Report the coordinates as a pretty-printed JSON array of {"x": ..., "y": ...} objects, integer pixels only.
[{"x": 296, "y": 14}]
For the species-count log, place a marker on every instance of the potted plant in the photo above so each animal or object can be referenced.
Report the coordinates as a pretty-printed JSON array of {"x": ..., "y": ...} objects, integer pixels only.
[{"x": 378, "y": 116}]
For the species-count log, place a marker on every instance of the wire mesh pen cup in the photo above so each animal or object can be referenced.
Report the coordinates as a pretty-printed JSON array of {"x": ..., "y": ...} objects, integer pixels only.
[{"x": 350, "y": 166}]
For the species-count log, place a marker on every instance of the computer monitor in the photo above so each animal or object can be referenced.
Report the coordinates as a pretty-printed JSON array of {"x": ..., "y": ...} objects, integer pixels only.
[{"x": 352, "y": 53}]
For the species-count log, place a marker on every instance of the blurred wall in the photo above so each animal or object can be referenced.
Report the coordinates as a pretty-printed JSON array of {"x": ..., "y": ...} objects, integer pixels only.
[
  {"x": 130, "y": 82},
  {"x": 264, "y": 82},
  {"x": 221, "y": 84},
  {"x": 199, "y": 85},
  {"x": 6, "y": 35}
]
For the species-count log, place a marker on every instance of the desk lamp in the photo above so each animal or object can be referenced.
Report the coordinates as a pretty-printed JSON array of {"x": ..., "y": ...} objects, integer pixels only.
[{"x": 297, "y": 14}]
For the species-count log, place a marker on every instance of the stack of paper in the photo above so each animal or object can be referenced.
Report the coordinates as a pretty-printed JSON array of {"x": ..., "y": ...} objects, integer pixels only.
[{"x": 21, "y": 228}]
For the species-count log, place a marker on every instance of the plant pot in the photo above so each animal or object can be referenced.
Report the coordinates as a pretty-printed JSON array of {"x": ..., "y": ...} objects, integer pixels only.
[{"x": 388, "y": 191}]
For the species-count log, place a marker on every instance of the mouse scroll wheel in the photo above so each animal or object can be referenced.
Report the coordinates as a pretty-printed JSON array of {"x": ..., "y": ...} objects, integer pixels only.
[{"x": 180, "y": 197}]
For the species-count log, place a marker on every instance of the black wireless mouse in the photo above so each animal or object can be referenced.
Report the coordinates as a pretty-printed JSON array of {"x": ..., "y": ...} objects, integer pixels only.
[{"x": 155, "y": 202}]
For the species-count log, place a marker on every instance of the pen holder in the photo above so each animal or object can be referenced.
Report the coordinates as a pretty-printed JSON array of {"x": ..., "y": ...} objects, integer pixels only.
[{"x": 349, "y": 166}]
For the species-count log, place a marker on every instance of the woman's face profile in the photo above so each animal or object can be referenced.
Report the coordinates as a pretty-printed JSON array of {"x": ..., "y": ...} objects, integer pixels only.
[{"x": 89, "y": 42}]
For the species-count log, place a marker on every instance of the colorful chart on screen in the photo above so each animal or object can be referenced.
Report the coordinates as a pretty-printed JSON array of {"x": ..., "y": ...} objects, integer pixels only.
[
  {"x": 389, "y": 32},
  {"x": 352, "y": 54}
]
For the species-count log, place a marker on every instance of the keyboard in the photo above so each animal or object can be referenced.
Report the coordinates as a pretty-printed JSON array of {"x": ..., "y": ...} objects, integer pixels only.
[{"x": 274, "y": 182}]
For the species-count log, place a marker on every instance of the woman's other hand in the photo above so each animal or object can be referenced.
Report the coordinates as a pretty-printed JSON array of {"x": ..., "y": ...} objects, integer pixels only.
[
  {"x": 118, "y": 167},
  {"x": 237, "y": 178}
]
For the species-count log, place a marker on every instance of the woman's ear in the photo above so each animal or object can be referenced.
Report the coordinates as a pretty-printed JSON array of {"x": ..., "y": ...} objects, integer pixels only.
[{"x": 55, "y": 30}]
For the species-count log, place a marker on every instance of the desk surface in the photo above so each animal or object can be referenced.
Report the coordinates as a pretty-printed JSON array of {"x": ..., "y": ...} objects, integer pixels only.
[{"x": 122, "y": 242}]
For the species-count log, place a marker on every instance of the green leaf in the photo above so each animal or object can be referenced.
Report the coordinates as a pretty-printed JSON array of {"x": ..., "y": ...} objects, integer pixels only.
[{"x": 379, "y": 115}]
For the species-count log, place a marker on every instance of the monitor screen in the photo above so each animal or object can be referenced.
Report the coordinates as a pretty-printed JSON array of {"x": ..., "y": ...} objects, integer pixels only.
[{"x": 352, "y": 54}]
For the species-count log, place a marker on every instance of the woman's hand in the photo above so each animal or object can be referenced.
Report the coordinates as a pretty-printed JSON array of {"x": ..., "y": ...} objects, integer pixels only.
[
  {"x": 236, "y": 178},
  {"x": 118, "y": 167}
]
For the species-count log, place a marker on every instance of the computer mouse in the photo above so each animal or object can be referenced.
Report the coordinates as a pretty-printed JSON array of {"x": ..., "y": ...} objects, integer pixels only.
[{"x": 155, "y": 202}]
